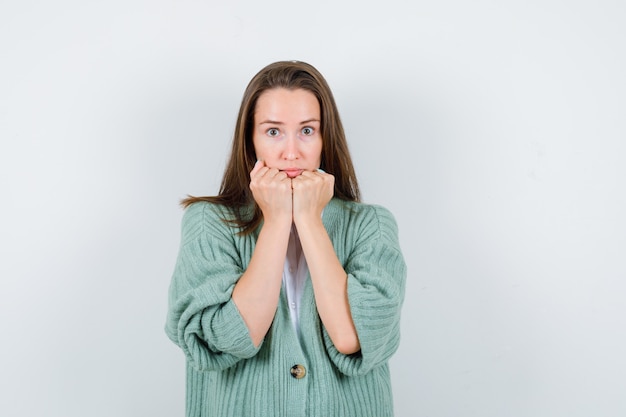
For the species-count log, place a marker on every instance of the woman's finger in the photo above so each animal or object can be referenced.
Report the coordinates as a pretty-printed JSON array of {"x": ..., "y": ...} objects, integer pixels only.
[{"x": 258, "y": 165}]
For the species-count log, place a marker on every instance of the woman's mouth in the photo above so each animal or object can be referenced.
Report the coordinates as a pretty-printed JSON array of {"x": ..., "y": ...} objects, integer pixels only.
[{"x": 292, "y": 172}]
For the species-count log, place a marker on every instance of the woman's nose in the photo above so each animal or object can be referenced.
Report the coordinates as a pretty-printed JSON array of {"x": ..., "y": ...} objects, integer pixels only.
[{"x": 291, "y": 150}]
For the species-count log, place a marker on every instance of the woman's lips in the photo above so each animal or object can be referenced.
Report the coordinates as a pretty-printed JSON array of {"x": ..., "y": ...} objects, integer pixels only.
[{"x": 292, "y": 172}]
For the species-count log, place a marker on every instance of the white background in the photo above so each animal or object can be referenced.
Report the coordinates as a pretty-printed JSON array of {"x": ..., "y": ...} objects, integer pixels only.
[{"x": 493, "y": 130}]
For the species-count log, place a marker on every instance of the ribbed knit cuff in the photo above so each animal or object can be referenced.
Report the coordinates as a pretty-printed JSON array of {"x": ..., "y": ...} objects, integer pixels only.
[{"x": 228, "y": 332}]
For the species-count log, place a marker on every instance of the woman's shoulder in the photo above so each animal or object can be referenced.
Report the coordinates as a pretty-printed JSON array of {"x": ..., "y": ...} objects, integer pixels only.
[
  {"x": 199, "y": 211},
  {"x": 205, "y": 216},
  {"x": 373, "y": 216},
  {"x": 360, "y": 209}
]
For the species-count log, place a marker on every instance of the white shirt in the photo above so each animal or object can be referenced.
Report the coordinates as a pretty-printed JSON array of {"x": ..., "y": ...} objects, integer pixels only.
[{"x": 294, "y": 276}]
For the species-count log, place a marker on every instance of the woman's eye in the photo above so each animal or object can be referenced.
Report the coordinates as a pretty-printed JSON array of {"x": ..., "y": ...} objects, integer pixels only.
[
  {"x": 307, "y": 131},
  {"x": 273, "y": 132}
]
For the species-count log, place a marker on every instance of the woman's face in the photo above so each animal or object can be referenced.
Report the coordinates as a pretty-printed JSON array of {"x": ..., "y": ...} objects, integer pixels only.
[{"x": 286, "y": 132}]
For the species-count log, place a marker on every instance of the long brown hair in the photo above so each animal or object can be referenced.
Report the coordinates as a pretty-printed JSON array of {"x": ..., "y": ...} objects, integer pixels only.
[{"x": 235, "y": 191}]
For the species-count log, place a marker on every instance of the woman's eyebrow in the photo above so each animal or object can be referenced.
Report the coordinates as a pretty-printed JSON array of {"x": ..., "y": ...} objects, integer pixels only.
[
  {"x": 310, "y": 121},
  {"x": 275, "y": 122}
]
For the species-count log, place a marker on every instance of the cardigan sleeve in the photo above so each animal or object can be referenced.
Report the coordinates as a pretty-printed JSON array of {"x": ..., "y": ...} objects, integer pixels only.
[
  {"x": 202, "y": 318},
  {"x": 376, "y": 279}
]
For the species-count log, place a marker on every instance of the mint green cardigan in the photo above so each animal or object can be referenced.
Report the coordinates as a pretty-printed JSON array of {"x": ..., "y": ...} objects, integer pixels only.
[{"x": 227, "y": 376}]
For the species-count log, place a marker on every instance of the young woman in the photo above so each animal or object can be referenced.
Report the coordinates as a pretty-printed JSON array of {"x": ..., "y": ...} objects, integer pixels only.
[{"x": 287, "y": 291}]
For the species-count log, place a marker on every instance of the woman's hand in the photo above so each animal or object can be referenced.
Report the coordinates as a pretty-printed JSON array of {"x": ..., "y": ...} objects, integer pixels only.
[
  {"x": 272, "y": 191},
  {"x": 312, "y": 190}
]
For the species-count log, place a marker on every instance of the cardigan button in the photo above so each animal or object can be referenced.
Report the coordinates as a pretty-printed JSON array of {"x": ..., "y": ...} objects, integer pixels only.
[{"x": 298, "y": 371}]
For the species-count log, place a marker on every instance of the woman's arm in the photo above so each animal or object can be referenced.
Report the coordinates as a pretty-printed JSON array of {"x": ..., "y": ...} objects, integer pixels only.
[
  {"x": 257, "y": 291},
  {"x": 311, "y": 192},
  {"x": 376, "y": 277},
  {"x": 330, "y": 285},
  {"x": 202, "y": 318}
]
